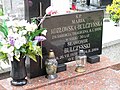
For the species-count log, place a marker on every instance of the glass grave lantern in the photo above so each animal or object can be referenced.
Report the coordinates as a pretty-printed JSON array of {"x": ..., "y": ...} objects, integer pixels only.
[
  {"x": 81, "y": 59},
  {"x": 51, "y": 66}
]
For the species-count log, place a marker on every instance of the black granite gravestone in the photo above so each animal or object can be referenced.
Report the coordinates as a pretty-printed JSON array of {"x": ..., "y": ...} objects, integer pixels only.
[
  {"x": 71, "y": 32},
  {"x": 66, "y": 35}
]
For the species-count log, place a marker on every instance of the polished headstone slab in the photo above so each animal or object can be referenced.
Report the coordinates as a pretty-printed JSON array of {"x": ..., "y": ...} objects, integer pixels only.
[{"x": 71, "y": 32}]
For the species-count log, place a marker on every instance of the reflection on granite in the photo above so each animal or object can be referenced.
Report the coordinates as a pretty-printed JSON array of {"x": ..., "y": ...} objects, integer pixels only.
[{"x": 96, "y": 77}]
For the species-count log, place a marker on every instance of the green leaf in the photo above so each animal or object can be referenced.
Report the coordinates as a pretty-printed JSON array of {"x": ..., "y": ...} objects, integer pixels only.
[
  {"x": 4, "y": 29},
  {"x": 36, "y": 33},
  {"x": 39, "y": 51},
  {"x": 1, "y": 12},
  {"x": 23, "y": 50},
  {"x": 3, "y": 56},
  {"x": 30, "y": 46},
  {"x": 17, "y": 58},
  {"x": 32, "y": 56},
  {"x": 33, "y": 20}
]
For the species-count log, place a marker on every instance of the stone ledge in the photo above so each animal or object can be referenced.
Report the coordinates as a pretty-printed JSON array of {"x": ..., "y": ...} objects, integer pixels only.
[
  {"x": 106, "y": 45},
  {"x": 40, "y": 82}
]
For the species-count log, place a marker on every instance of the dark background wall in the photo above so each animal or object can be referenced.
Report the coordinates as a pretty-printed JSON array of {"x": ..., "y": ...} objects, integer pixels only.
[
  {"x": 32, "y": 8},
  {"x": 106, "y": 2}
]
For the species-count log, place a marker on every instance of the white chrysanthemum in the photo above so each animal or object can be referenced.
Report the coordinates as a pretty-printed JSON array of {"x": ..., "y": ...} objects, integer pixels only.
[
  {"x": 16, "y": 23},
  {"x": 34, "y": 26},
  {"x": 16, "y": 36},
  {"x": 44, "y": 32},
  {"x": 23, "y": 40},
  {"x": 14, "y": 30},
  {"x": 8, "y": 50},
  {"x": 3, "y": 41},
  {"x": 18, "y": 44},
  {"x": 10, "y": 31},
  {"x": 9, "y": 23},
  {"x": 20, "y": 41},
  {"x": 23, "y": 32},
  {"x": 2, "y": 36},
  {"x": 10, "y": 57},
  {"x": 23, "y": 23},
  {"x": 4, "y": 49},
  {"x": 10, "y": 53},
  {"x": 11, "y": 35},
  {"x": 31, "y": 27},
  {"x": 11, "y": 49}
]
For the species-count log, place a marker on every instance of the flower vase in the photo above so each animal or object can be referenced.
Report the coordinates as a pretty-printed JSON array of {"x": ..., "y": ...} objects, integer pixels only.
[{"x": 18, "y": 72}]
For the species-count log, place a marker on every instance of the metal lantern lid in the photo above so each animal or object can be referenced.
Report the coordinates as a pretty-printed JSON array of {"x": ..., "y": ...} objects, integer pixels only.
[{"x": 51, "y": 54}]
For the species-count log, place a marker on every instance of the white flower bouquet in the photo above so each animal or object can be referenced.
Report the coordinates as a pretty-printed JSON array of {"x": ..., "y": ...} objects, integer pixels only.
[{"x": 19, "y": 38}]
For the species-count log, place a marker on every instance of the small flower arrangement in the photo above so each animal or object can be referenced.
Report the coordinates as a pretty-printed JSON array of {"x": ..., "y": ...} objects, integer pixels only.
[
  {"x": 19, "y": 38},
  {"x": 114, "y": 10}
]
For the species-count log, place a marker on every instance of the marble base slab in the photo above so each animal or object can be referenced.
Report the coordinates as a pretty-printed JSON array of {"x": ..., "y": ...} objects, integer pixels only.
[{"x": 69, "y": 76}]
